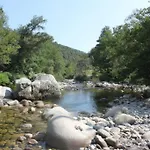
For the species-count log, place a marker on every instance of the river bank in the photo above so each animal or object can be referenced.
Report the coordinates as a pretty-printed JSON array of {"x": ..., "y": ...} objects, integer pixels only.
[{"x": 124, "y": 124}]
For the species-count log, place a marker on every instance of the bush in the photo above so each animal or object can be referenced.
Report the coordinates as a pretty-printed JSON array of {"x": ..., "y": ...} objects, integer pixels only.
[
  {"x": 5, "y": 78},
  {"x": 81, "y": 78}
]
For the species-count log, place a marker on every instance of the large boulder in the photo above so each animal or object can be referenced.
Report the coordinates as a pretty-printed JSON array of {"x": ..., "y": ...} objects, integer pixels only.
[
  {"x": 64, "y": 132},
  {"x": 5, "y": 92},
  {"x": 44, "y": 86}
]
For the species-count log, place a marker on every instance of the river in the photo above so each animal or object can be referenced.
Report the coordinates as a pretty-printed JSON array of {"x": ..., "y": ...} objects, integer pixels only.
[{"x": 78, "y": 101}]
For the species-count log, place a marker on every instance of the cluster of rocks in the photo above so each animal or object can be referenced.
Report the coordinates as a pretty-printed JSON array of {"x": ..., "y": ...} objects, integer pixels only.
[
  {"x": 125, "y": 126},
  {"x": 70, "y": 84},
  {"x": 43, "y": 86},
  {"x": 31, "y": 140},
  {"x": 141, "y": 89},
  {"x": 25, "y": 106}
]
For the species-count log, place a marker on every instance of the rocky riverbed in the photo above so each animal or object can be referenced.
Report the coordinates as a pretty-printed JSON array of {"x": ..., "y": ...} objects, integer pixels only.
[{"x": 125, "y": 125}]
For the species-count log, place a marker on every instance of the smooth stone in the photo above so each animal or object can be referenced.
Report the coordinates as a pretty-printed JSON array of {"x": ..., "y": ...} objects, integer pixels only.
[
  {"x": 27, "y": 126},
  {"x": 49, "y": 112},
  {"x": 99, "y": 140},
  {"x": 39, "y": 104},
  {"x": 32, "y": 141},
  {"x": 21, "y": 138},
  {"x": 115, "y": 130},
  {"x": 96, "y": 119},
  {"x": 67, "y": 133},
  {"x": 90, "y": 122},
  {"x": 48, "y": 105},
  {"x": 25, "y": 102},
  {"x": 146, "y": 136},
  {"x": 32, "y": 109},
  {"x": 28, "y": 135},
  {"x": 103, "y": 133},
  {"x": 25, "y": 110},
  {"x": 111, "y": 141},
  {"x": 112, "y": 112},
  {"x": 124, "y": 118},
  {"x": 13, "y": 102}
]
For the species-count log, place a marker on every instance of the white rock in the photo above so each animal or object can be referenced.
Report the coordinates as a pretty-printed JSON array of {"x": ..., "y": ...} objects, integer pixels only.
[
  {"x": 32, "y": 109},
  {"x": 27, "y": 126},
  {"x": 49, "y": 112},
  {"x": 28, "y": 135},
  {"x": 103, "y": 133},
  {"x": 124, "y": 118},
  {"x": 111, "y": 141},
  {"x": 112, "y": 112},
  {"x": 99, "y": 140},
  {"x": 115, "y": 130},
  {"x": 146, "y": 136},
  {"x": 13, "y": 102},
  {"x": 66, "y": 133},
  {"x": 5, "y": 92}
]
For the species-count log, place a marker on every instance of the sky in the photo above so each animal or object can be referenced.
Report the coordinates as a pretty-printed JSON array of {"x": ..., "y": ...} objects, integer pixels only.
[{"x": 74, "y": 23}]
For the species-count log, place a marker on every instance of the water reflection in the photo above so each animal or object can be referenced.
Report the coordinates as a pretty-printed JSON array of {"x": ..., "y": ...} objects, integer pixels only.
[{"x": 77, "y": 101}]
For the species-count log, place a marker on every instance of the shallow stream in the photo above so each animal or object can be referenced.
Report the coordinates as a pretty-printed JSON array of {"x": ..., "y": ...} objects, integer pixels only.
[{"x": 11, "y": 119}]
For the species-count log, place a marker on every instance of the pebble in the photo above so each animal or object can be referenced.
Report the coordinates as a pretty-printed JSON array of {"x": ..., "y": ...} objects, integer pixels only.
[
  {"x": 28, "y": 135},
  {"x": 32, "y": 141},
  {"x": 21, "y": 138},
  {"x": 27, "y": 126}
]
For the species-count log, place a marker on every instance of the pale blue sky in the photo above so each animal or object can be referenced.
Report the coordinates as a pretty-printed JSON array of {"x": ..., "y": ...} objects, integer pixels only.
[{"x": 74, "y": 23}]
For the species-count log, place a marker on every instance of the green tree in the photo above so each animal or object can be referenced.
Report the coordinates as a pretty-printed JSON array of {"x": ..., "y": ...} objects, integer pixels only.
[
  {"x": 123, "y": 54},
  {"x": 8, "y": 42},
  {"x": 100, "y": 54},
  {"x": 30, "y": 42}
]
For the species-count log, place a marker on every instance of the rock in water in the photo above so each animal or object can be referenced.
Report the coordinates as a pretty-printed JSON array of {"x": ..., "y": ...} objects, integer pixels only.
[{"x": 66, "y": 133}]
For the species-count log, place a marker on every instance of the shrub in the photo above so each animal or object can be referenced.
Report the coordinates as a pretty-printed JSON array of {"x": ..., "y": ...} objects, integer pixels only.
[
  {"x": 5, "y": 78},
  {"x": 81, "y": 78}
]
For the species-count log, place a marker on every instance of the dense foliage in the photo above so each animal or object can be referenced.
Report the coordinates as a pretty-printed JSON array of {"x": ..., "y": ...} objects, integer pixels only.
[
  {"x": 29, "y": 50},
  {"x": 123, "y": 53},
  {"x": 8, "y": 41}
]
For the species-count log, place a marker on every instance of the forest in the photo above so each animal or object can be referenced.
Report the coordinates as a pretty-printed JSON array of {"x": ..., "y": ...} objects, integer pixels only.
[
  {"x": 122, "y": 53},
  {"x": 28, "y": 50}
]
